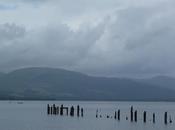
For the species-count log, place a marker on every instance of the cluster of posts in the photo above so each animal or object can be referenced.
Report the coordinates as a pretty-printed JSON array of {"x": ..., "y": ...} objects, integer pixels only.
[
  {"x": 133, "y": 116},
  {"x": 56, "y": 110},
  {"x": 72, "y": 111}
]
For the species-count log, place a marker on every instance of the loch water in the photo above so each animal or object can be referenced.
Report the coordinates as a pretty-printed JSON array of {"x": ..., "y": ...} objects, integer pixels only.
[{"x": 32, "y": 115}]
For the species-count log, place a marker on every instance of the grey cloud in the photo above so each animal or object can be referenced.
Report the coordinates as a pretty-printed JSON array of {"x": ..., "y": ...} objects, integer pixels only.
[
  {"x": 137, "y": 44},
  {"x": 136, "y": 40},
  {"x": 7, "y": 7},
  {"x": 10, "y": 32},
  {"x": 54, "y": 46}
]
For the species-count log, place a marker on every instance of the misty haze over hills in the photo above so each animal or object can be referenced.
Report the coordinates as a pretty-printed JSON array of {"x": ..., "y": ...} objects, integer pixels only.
[{"x": 59, "y": 84}]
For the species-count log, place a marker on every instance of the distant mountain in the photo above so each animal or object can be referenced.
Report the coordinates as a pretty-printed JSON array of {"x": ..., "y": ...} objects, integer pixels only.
[
  {"x": 161, "y": 81},
  {"x": 59, "y": 84},
  {"x": 1, "y": 74}
]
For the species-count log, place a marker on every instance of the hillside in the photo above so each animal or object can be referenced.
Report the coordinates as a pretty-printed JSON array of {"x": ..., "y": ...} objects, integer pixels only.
[
  {"x": 161, "y": 81},
  {"x": 58, "y": 84}
]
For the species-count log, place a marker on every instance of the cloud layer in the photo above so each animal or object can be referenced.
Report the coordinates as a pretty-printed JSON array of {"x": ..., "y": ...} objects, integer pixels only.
[{"x": 109, "y": 38}]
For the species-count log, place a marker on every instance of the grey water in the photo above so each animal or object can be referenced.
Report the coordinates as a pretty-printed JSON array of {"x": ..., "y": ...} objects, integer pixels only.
[{"x": 32, "y": 115}]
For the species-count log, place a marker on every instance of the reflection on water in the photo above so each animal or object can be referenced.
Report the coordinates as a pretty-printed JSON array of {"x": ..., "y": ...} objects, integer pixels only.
[{"x": 32, "y": 115}]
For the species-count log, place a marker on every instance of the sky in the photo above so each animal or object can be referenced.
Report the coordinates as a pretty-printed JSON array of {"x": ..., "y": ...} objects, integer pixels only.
[{"x": 123, "y": 38}]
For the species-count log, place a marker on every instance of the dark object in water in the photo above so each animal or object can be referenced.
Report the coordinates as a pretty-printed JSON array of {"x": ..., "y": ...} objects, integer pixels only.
[
  {"x": 57, "y": 110},
  {"x": 61, "y": 110},
  {"x": 144, "y": 116},
  {"x": 170, "y": 120},
  {"x": 126, "y": 118},
  {"x": 97, "y": 113},
  {"x": 82, "y": 112},
  {"x": 135, "y": 116},
  {"x": 165, "y": 117},
  {"x": 72, "y": 111},
  {"x": 78, "y": 110},
  {"x": 54, "y": 109},
  {"x": 48, "y": 109},
  {"x": 115, "y": 115},
  {"x": 131, "y": 112},
  {"x": 154, "y": 118},
  {"x": 118, "y": 114}
]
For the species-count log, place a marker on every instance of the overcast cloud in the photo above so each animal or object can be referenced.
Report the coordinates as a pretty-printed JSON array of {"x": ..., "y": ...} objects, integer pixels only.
[{"x": 97, "y": 37}]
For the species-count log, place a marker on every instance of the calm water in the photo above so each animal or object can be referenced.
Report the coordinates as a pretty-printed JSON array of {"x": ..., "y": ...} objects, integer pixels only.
[{"x": 31, "y": 115}]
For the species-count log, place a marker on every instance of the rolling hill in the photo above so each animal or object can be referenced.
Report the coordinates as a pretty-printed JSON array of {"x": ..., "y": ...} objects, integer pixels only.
[{"x": 59, "y": 84}]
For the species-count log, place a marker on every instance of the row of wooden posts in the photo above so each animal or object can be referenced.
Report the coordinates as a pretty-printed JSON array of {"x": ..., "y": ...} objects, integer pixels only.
[
  {"x": 56, "y": 110},
  {"x": 133, "y": 116}
]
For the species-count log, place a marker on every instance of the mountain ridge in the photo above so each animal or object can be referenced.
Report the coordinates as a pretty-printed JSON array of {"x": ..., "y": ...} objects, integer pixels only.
[{"x": 38, "y": 83}]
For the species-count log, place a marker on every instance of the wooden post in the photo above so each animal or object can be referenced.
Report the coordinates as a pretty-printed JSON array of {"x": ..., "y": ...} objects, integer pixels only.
[
  {"x": 165, "y": 117},
  {"x": 115, "y": 115},
  {"x": 67, "y": 111},
  {"x": 170, "y": 120},
  {"x": 48, "y": 109},
  {"x": 135, "y": 116},
  {"x": 154, "y": 118},
  {"x": 54, "y": 109},
  {"x": 131, "y": 112},
  {"x": 144, "y": 116},
  {"x": 82, "y": 112},
  {"x": 78, "y": 110},
  {"x": 97, "y": 113},
  {"x": 72, "y": 111},
  {"x": 57, "y": 110},
  {"x": 118, "y": 114},
  {"x": 61, "y": 110},
  {"x": 51, "y": 110}
]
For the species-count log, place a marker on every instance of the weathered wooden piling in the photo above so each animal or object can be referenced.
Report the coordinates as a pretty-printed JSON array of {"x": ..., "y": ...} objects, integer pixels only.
[
  {"x": 131, "y": 112},
  {"x": 48, "y": 109},
  {"x": 72, "y": 111},
  {"x": 118, "y": 115},
  {"x": 144, "y": 116},
  {"x": 61, "y": 110},
  {"x": 96, "y": 113},
  {"x": 51, "y": 110},
  {"x": 165, "y": 117},
  {"x": 57, "y": 110},
  {"x": 78, "y": 110},
  {"x": 67, "y": 110},
  {"x": 54, "y": 109},
  {"x": 82, "y": 112},
  {"x": 170, "y": 120},
  {"x": 135, "y": 116},
  {"x": 154, "y": 118},
  {"x": 115, "y": 115}
]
